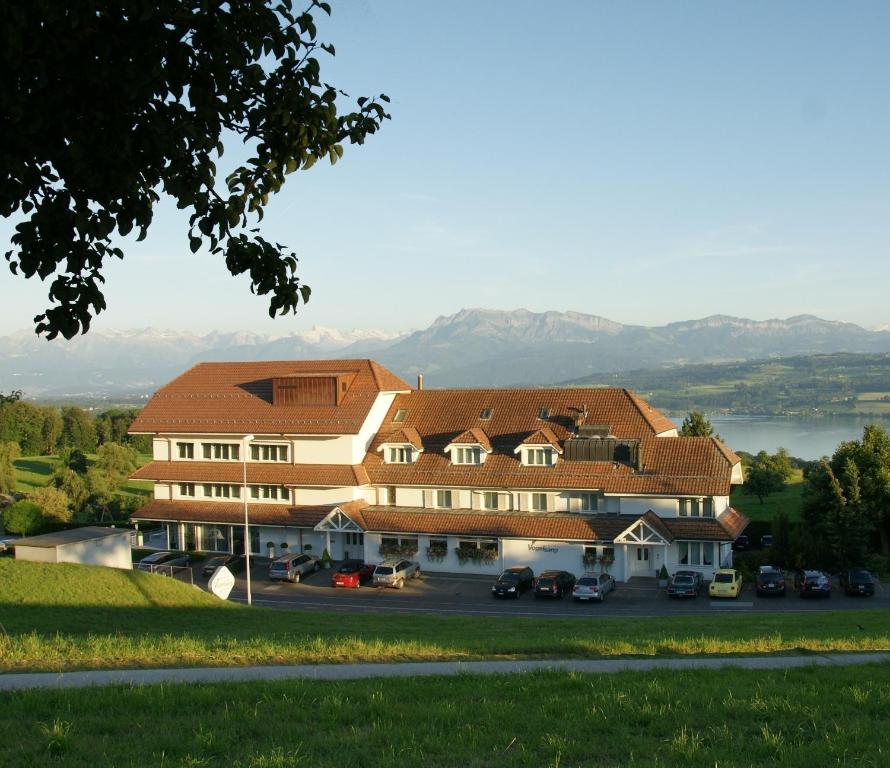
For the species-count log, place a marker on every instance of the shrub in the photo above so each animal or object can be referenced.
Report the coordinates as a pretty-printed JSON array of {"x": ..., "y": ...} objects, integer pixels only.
[
  {"x": 53, "y": 503},
  {"x": 24, "y": 517}
]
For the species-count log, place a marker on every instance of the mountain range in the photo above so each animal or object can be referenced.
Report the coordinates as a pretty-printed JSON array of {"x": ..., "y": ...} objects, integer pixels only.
[{"x": 474, "y": 347}]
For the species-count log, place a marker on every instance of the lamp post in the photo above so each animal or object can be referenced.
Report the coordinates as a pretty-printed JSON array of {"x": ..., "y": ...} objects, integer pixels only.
[{"x": 246, "y": 446}]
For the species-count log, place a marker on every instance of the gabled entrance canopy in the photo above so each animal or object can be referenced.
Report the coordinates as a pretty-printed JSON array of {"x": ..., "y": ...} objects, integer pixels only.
[
  {"x": 338, "y": 521},
  {"x": 640, "y": 532}
]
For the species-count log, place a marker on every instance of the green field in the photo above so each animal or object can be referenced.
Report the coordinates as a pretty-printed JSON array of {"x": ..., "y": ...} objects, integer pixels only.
[
  {"x": 33, "y": 472},
  {"x": 788, "y": 499},
  {"x": 62, "y": 617},
  {"x": 793, "y": 718}
]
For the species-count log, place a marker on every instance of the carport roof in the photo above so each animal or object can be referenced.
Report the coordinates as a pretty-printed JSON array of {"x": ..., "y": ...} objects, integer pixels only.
[{"x": 72, "y": 536}]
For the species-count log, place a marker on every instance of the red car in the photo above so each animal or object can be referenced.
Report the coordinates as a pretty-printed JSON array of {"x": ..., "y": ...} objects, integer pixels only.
[{"x": 352, "y": 573}]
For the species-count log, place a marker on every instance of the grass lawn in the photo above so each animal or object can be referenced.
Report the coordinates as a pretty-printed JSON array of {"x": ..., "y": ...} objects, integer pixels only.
[
  {"x": 795, "y": 718},
  {"x": 789, "y": 499},
  {"x": 32, "y": 472},
  {"x": 59, "y": 617}
]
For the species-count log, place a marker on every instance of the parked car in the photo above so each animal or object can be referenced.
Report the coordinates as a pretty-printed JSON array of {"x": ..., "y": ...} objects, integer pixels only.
[
  {"x": 682, "y": 585},
  {"x": 7, "y": 546},
  {"x": 235, "y": 563},
  {"x": 556, "y": 584},
  {"x": 593, "y": 586},
  {"x": 858, "y": 582},
  {"x": 812, "y": 584},
  {"x": 395, "y": 573},
  {"x": 741, "y": 542},
  {"x": 766, "y": 541},
  {"x": 770, "y": 580},
  {"x": 165, "y": 558},
  {"x": 697, "y": 577},
  {"x": 727, "y": 583},
  {"x": 293, "y": 567},
  {"x": 513, "y": 581},
  {"x": 352, "y": 573}
]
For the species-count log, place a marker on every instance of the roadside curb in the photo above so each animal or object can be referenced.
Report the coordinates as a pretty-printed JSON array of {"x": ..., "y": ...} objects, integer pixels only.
[{"x": 100, "y": 678}]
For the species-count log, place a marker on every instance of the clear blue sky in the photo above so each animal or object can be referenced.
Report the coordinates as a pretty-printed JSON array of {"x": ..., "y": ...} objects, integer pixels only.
[{"x": 644, "y": 161}]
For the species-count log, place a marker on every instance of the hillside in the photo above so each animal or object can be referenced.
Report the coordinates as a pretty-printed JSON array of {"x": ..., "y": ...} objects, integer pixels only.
[
  {"x": 837, "y": 383},
  {"x": 471, "y": 348}
]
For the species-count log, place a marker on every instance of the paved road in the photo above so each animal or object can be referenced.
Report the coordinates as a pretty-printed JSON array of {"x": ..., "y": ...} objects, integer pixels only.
[
  {"x": 457, "y": 594},
  {"x": 12, "y": 682}
]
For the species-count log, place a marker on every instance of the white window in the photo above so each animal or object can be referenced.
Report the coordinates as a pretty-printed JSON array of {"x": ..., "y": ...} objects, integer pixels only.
[
  {"x": 274, "y": 492},
  {"x": 401, "y": 455},
  {"x": 186, "y": 450},
  {"x": 539, "y": 502},
  {"x": 539, "y": 457},
  {"x": 186, "y": 489},
  {"x": 490, "y": 500},
  {"x": 466, "y": 455},
  {"x": 260, "y": 452},
  {"x": 355, "y": 539},
  {"x": 221, "y": 451},
  {"x": 696, "y": 552},
  {"x": 443, "y": 499},
  {"x": 222, "y": 491},
  {"x": 587, "y": 502}
]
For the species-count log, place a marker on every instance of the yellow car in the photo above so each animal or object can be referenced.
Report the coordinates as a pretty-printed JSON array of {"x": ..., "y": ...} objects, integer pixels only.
[{"x": 727, "y": 583}]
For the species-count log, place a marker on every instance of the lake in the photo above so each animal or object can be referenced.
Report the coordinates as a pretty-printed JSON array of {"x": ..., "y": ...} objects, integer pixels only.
[{"x": 806, "y": 438}]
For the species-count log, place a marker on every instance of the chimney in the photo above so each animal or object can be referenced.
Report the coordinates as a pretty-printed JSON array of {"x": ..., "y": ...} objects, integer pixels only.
[{"x": 420, "y": 381}]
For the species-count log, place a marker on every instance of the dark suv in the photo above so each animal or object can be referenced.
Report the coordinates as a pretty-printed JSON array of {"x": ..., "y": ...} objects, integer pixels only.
[
  {"x": 513, "y": 581},
  {"x": 554, "y": 584},
  {"x": 858, "y": 582},
  {"x": 812, "y": 584},
  {"x": 770, "y": 581}
]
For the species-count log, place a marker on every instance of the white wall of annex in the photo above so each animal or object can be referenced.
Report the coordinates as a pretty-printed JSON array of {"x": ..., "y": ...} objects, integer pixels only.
[
  {"x": 324, "y": 449},
  {"x": 721, "y": 504},
  {"x": 160, "y": 449},
  {"x": 162, "y": 491},
  {"x": 371, "y": 427},
  {"x": 310, "y": 496},
  {"x": 638, "y": 505}
]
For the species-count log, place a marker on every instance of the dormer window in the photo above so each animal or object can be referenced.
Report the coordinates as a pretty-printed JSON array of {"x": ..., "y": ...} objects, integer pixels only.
[
  {"x": 538, "y": 457},
  {"x": 466, "y": 454},
  {"x": 400, "y": 454}
]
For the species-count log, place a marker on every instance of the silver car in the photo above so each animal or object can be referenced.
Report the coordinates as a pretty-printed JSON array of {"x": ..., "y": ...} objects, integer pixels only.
[
  {"x": 293, "y": 567},
  {"x": 593, "y": 586},
  {"x": 395, "y": 573}
]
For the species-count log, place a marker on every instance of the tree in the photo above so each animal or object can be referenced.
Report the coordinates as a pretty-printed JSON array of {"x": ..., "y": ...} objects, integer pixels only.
[
  {"x": 109, "y": 105},
  {"x": 54, "y": 504},
  {"x": 115, "y": 461},
  {"x": 696, "y": 425},
  {"x": 73, "y": 459},
  {"x": 23, "y": 517},
  {"x": 9, "y": 452},
  {"x": 763, "y": 477},
  {"x": 73, "y": 485},
  {"x": 782, "y": 547},
  {"x": 77, "y": 429}
]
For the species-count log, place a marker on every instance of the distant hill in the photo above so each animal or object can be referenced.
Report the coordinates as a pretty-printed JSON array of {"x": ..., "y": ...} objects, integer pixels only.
[
  {"x": 837, "y": 383},
  {"x": 474, "y": 347}
]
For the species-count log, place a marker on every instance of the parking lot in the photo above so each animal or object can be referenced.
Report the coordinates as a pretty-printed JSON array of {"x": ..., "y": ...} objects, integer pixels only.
[{"x": 445, "y": 594}]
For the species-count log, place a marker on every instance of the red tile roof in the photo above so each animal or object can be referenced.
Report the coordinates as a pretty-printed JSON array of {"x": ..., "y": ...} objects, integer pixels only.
[
  {"x": 302, "y": 475},
  {"x": 405, "y": 435},
  {"x": 733, "y": 522},
  {"x": 473, "y": 436},
  {"x": 232, "y": 514},
  {"x": 542, "y": 436},
  {"x": 236, "y": 398}
]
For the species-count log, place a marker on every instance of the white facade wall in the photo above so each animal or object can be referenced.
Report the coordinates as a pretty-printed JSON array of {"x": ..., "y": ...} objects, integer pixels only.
[
  {"x": 721, "y": 504},
  {"x": 639, "y": 505},
  {"x": 110, "y": 551},
  {"x": 311, "y": 496},
  {"x": 162, "y": 491},
  {"x": 160, "y": 449}
]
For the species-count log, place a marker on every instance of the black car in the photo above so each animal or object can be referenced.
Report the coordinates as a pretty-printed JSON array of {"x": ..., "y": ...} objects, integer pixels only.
[
  {"x": 513, "y": 581},
  {"x": 858, "y": 582},
  {"x": 770, "y": 580},
  {"x": 812, "y": 584},
  {"x": 554, "y": 584},
  {"x": 163, "y": 562},
  {"x": 683, "y": 585},
  {"x": 235, "y": 563},
  {"x": 766, "y": 541},
  {"x": 740, "y": 543}
]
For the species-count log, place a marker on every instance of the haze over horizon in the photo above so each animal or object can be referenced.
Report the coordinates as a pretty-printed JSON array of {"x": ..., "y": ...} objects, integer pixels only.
[{"x": 650, "y": 161}]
